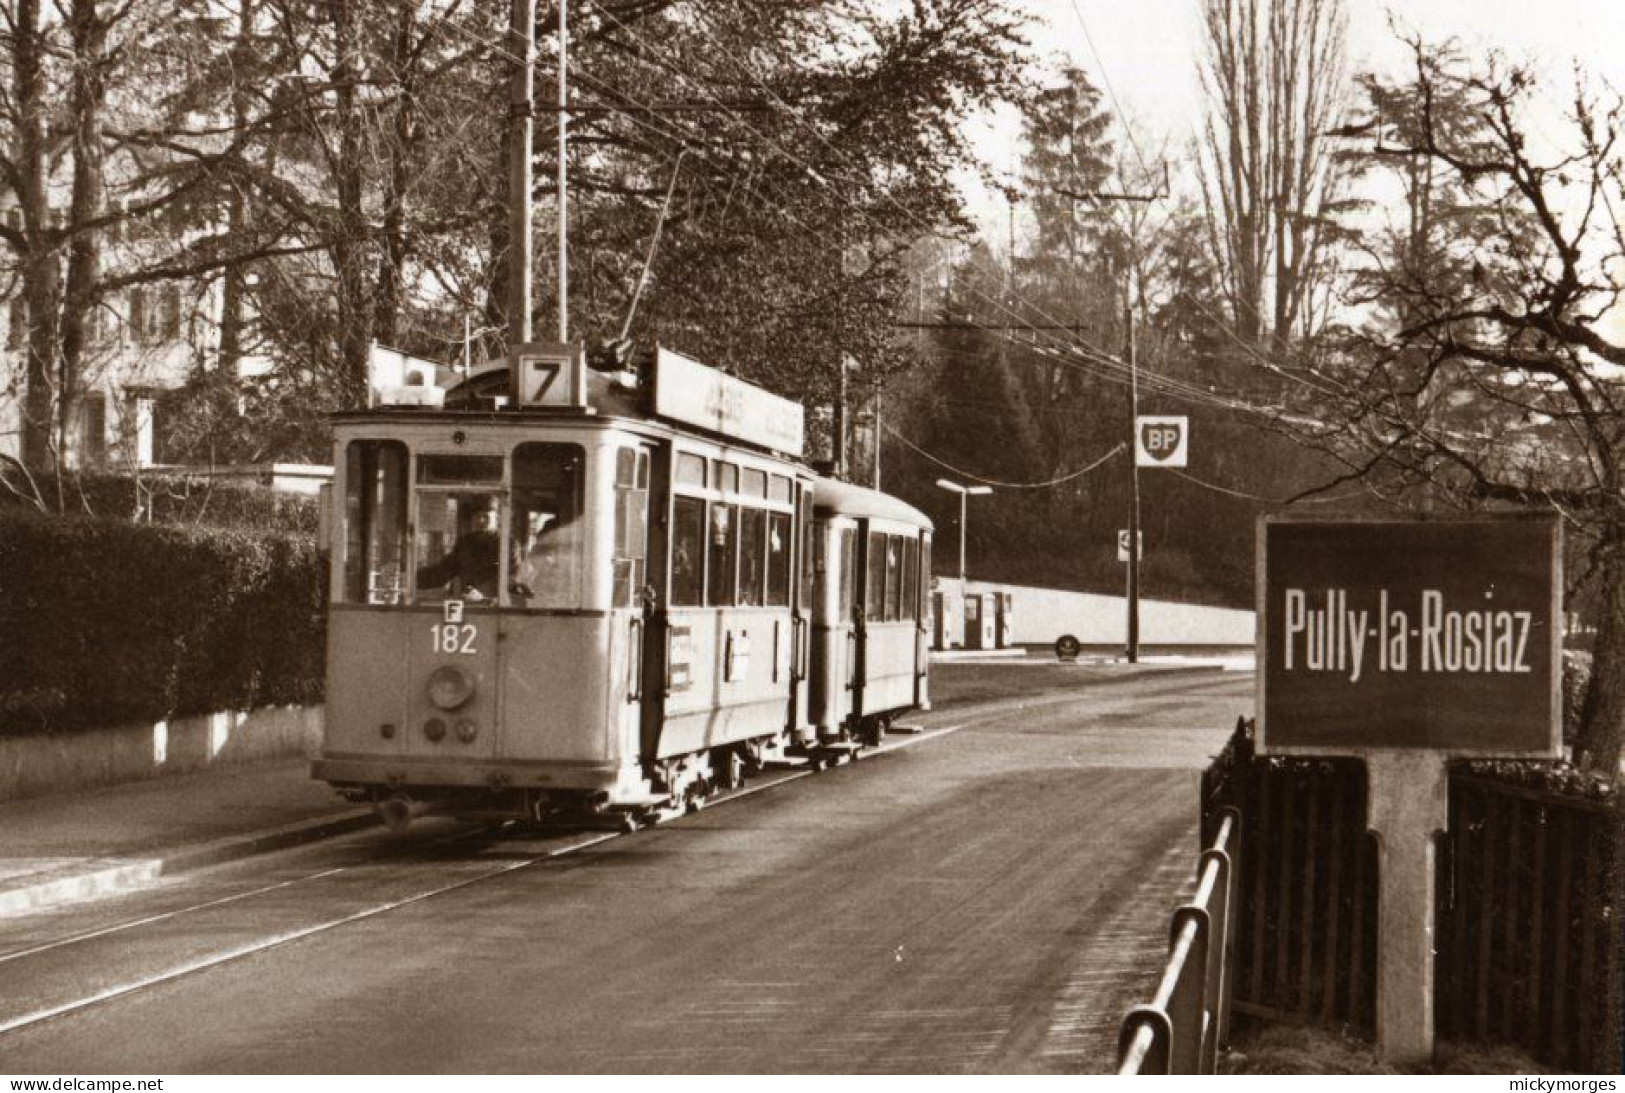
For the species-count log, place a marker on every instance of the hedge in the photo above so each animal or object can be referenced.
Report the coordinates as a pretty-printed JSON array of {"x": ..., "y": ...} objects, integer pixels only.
[
  {"x": 104, "y": 621},
  {"x": 172, "y": 499}
]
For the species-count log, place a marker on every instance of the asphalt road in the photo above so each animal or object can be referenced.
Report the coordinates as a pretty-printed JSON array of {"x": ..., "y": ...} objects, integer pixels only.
[{"x": 989, "y": 896}]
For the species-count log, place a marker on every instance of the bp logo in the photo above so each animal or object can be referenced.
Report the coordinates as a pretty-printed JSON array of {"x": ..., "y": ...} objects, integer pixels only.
[{"x": 1161, "y": 441}]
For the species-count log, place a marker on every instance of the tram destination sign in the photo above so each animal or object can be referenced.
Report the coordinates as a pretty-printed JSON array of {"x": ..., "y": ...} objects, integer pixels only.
[
  {"x": 696, "y": 394},
  {"x": 1439, "y": 635}
]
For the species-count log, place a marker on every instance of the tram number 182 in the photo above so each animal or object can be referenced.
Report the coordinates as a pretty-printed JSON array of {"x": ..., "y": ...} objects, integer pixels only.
[{"x": 450, "y": 637}]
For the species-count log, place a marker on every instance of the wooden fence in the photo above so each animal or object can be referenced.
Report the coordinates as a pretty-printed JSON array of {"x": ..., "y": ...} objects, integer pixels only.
[
  {"x": 1529, "y": 933},
  {"x": 1529, "y": 930}
]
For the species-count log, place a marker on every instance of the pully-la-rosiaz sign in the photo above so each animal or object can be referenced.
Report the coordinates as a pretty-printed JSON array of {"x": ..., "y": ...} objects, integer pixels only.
[
  {"x": 1161, "y": 441},
  {"x": 1434, "y": 634}
]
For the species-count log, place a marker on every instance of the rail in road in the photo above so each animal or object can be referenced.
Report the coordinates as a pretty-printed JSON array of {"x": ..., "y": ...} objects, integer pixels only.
[
  {"x": 973, "y": 947},
  {"x": 63, "y": 993}
]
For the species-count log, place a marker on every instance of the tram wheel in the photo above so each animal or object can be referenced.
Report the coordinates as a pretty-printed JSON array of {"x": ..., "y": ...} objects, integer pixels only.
[{"x": 730, "y": 769}]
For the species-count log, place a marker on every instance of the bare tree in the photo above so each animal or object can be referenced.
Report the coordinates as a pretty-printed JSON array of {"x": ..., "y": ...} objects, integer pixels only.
[
  {"x": 1275, "y": 84},
  {"x": 1484, "y": 374}
]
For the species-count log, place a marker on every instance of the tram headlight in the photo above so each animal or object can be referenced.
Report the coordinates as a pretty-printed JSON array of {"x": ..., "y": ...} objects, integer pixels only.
[
  {"x": 450, "y": 687},
  {"x": 434, "y": 729},
  {"x": 467, "y": 730}
]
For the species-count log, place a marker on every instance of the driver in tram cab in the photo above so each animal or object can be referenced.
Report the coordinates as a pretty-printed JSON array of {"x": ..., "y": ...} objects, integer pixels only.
[{"x": 471, "y": 565}]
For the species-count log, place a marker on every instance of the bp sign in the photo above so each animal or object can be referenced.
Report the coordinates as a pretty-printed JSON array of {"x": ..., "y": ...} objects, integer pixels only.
[
  {"x": 1441, "y": 635},
  {"x": 1161, "y": 441}
]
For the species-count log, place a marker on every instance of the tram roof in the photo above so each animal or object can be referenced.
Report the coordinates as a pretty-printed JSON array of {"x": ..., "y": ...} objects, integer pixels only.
[{"x": 845, "y": 499}]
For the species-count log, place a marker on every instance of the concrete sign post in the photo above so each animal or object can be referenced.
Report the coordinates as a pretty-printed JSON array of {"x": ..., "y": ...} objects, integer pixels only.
[{"x": 1406, "y": 644}]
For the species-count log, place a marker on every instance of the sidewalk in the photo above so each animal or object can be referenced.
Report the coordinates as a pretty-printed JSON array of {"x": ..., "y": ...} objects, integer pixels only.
[{"x": 59, "y": 848}]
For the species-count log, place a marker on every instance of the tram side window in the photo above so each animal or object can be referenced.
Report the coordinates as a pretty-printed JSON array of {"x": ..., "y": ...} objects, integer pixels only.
[
  {"x": 778, "y": 559},
  {"x": 849, "y": 569},
  {"x": 874, "y": 600},
  {"x": 374, "y": 521},
  {"x": 894, "y": 577},
  {"x": 752, "y": 536},
  {"x": 690, "y": 469},
  {"x": 548, "y": 533},
  {"x": 911, "y": 579},
  {"x": 812, "y": 550},
  {"x": 631, "y": 523},
  {"x": 688, "y": 552},
  {"x": 722, "y": 555}
]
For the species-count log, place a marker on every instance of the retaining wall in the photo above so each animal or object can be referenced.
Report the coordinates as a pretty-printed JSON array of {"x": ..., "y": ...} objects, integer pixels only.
[
  {"x": 49, "y": 763},
  {"x": 1043, "y": 614}
]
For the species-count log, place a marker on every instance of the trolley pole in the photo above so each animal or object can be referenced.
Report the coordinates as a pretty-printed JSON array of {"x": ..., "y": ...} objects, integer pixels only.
[
  {"x": 564, "y": 196},
  {"x": 521, "y": 122},
  {"x": 1134, "y": 492}
]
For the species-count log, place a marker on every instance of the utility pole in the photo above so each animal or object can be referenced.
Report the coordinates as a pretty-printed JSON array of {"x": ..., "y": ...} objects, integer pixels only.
[
  {"x": 1133, "y": 650},
  {"x": 521, "y": 122}
]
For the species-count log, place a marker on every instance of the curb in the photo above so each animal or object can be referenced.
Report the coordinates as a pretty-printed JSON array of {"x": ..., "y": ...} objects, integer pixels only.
[{"x": 106, "y": 876}]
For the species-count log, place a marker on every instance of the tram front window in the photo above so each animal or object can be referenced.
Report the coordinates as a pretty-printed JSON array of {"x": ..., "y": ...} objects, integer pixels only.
[
  {"x": 459, "y": 521},
  {"x": 458, "y": 545},
  {"x": 375, "y": 521},
  {"x": 547, "y": 529}
]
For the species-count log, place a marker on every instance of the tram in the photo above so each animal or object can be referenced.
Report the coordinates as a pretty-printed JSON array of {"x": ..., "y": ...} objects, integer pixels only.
[{"x": 560, "y": 591}]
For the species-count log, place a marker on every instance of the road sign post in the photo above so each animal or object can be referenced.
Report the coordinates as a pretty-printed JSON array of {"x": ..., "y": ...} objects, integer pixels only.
[{"x": 1405, "y": 644}]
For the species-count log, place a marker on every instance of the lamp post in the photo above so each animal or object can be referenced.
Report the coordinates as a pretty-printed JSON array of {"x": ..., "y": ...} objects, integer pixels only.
[{"x": 963, "y": 492}]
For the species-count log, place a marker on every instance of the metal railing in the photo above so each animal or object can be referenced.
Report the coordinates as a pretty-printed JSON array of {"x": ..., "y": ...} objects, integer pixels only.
[{"x": 1180, "y": 1030}]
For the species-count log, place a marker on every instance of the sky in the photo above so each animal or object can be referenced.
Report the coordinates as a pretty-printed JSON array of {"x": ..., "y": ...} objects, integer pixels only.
[{"x": 1147, "y": 51}]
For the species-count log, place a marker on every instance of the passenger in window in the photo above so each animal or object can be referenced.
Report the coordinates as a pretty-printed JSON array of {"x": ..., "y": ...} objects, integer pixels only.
[
  {"x": 685, "y": 568},
  {"x": 544, "y": 569},
  {"x": 470, "y": 567}
]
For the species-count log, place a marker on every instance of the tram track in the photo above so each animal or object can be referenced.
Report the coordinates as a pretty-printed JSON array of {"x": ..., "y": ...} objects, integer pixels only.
[
  {"x": 83, "y": 945},
  {"x": 81, "y": 948}
]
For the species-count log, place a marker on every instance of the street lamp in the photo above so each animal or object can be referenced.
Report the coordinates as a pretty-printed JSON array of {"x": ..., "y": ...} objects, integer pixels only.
[{"x": 963, "y": 492}]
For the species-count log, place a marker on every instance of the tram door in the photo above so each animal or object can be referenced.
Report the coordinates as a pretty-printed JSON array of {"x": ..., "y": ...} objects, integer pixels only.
[
  {"x": 798, "y": 716},
  {"x": 630, "y": 576},
  {"x": 656, "y": 623},
  {"x": 854, "y": 563},
  {"x": 922, "y": 616}
]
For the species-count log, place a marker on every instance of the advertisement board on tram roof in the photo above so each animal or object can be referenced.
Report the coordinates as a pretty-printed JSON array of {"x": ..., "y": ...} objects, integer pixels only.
[{"x": 696, "y": 394}]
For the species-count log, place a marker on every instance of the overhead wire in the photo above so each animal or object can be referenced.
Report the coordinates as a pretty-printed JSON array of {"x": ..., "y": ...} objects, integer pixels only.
[
  {"x": 979, "y": 479},
  {"x": 1216, "y": 488},
  {"x": 1218, "y": 321},
  {"x": 1105, "y": 363},
  {"x": 669, "y": 130},
  {"x": 1092, "y": 360}
]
